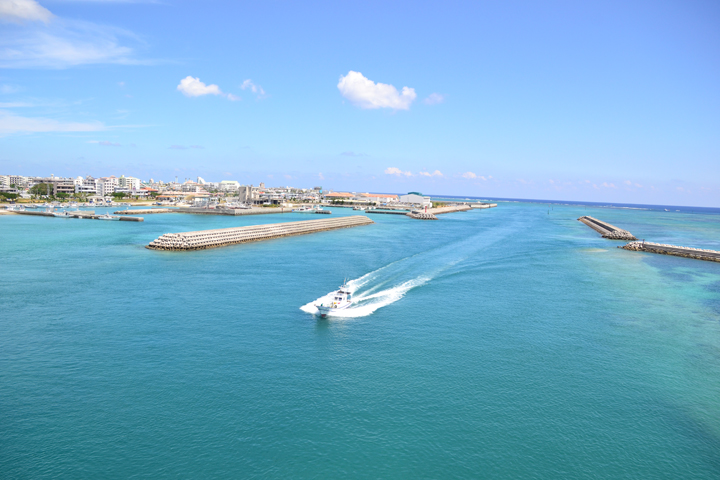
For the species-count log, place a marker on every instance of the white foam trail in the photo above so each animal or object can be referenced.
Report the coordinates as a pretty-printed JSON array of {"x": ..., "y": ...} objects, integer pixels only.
[{"x": 366, "y": 304}]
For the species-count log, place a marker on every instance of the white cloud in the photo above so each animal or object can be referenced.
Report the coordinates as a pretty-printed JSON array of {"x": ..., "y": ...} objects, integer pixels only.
[
  {"x": 193, "y": 87},
  {"x": 15, "y": 104},
  {"x": 434, "y": 99},
  {"x": 628, "y": 182},
  {"x": 365, "y": 93},
  {"x": 183, "y": 147},
  {"x": 469, "y": 175},
  {"x": 256, "y": 89},
  {"x": 608, "y": 185},
  {"x": 436, "y": 173},
  {"x": 5, "y": 89},
  {"x": 320, "y": 176},
  {"x": 397, "y": 171},
  {"x": 104, "y": 143},
  {"x": 18, "y": 11},
  {"x": 11, "y": 123},
  {"x": 353, "y": 154},
  {"x": 289, "y": 177},
  {"x": 64, "y": 43}
]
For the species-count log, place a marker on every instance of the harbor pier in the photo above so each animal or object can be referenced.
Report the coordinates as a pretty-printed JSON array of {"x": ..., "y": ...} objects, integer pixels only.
[
  {"x": 606, "y": 230},
  {"x": 204, "y": 239},
  {"x": 78, "y": 214}
]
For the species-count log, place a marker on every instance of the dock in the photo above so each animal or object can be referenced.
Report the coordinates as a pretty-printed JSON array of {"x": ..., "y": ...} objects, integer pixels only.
[
  {"x": 388, "y": 211},
  {"x": 663, "y": 249},
  {"x": 79, "y": 214},
  {"x": 606, "y": 230},
  {"x": 204, "y": 239}
]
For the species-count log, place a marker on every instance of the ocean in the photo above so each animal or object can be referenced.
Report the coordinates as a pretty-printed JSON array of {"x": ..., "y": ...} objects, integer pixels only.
[{"x": 512, "y": 342}]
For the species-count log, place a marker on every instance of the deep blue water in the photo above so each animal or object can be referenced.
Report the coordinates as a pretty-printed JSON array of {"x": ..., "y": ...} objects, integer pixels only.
[{"x": 505, "y": 343}]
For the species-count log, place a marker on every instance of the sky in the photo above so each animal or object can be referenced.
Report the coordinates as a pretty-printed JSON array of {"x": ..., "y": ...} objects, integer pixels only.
[{"x": 610, "y": 101}]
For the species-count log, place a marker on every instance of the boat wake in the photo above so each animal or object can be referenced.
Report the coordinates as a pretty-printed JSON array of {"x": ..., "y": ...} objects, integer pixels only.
[
  {"x": 367, "y": 301},
  {"x": 390, "y": 283}
]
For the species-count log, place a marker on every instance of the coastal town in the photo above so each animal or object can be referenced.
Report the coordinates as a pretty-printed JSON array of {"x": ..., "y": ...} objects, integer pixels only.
[{"x": 189, "y": 192}]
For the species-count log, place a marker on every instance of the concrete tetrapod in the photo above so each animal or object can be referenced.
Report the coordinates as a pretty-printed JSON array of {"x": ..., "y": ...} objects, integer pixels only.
[{"x": 231, "y": 236}]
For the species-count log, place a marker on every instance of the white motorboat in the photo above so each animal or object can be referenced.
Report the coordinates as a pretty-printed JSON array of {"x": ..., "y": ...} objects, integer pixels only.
[
  {"x": 360, "y": 209},
  {"x": 304, "y": 209},
  {"x": 62, "y": 214},
  {"x": 107, "y": 216},
  {"x": 341, "y": 300}
]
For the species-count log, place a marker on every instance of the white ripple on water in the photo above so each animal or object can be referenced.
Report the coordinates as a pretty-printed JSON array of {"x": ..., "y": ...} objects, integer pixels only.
[{"x": 392, "y": 282}]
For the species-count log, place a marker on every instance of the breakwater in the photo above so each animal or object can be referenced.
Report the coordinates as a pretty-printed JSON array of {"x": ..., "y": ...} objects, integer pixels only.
[
  {"x": 231, "y": 211},
  {"x": 422, "y": 216},
  {"x": 145, "y": 211},
  {"x": 450, "y": 209},
  {"x": 606, "y": 230},
  {"x": 664, "y": 249},
  {"x": 204, "y": 239}
]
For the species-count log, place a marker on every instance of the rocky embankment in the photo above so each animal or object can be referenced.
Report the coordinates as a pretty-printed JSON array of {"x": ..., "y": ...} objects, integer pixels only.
[
  {"x": 611, "y": 232},
  {"x": 422, "y": 216},
  {"x": 674, "y": 250}
]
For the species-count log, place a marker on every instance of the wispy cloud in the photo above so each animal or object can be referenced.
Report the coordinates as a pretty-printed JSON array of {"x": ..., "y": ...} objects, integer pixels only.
[
  {"x": 397, "y": 171},
  {"x": 21, "y": 11},
  {"x": 353, "y": 154},
  {"x": 436, "y": 173},
  {"x": 105, "y": 143},
  {"x": 11, "y": 123},
  {"x": 193, "y": 87},
  {"x": 7, "y": 89},
  {"x": 320, "y": 176},
  {"x": 366, "y": 94},
  {"x": 256, "y": 89},
  {"x": 434, "y": 99},
  {"x": 183, "y": 147},
  {"x": 63, "y": 43}
]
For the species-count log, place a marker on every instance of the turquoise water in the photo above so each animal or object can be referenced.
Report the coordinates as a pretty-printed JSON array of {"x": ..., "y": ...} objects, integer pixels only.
[{"x": 502, "y": 343}]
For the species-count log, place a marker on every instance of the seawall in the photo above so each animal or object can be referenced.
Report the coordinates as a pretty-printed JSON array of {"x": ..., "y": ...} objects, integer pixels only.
[
  {"x": 674, "y": 250},
  {"x": 204, "y": 239},
  {"x": 606, "y": 230}
]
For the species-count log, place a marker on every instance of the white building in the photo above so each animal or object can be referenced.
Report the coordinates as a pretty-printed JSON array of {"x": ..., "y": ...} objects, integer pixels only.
[
  {"x": 106, "y": 185},
  {"x": 229, "y": 185},
  {"x": 129, "y": 183},
  {"x": 85, "y": 185},
  {"x": 416, "y": 198}
]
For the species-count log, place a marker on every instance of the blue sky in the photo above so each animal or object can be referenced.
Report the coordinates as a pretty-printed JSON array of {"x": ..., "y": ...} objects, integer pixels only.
[{"x": 598, "y": 101}]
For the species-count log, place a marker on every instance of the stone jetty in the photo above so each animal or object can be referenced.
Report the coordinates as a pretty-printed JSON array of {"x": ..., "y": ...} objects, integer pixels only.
[
  {"x": 422, "y": 216},
  {"x": 231, "y": 236},
  {"x": 663, "y": 249},
  {"x": 606, "y": 230},
  {"x": 450, "y": 209}
]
